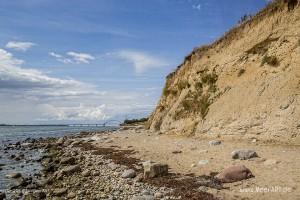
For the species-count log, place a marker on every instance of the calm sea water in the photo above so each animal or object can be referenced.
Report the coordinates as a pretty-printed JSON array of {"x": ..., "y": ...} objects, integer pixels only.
[{"x": 12, "y": 134}]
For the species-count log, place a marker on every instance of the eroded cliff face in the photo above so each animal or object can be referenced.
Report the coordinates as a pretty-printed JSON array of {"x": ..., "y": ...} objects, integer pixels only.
[{"x": 245, "y": 84}]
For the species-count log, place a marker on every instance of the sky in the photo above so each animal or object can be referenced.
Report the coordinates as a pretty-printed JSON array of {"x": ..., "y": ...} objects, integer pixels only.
[{"x": 89, "y": 61}]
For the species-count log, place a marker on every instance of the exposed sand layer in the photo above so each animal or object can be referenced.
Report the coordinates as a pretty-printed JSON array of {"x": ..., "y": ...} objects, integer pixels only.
[{"x": 276, "y": 169}]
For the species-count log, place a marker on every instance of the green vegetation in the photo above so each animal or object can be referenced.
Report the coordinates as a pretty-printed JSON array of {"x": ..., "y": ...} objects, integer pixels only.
[
  {"x": 198, "y": 101},
  {"x": 182, "y": 84},
  {"x": 244, "y": 18},
  {"x": 134, "y": 121},
  {"x": 270, "y": 60},
  {"x": 241, "y": 72}
]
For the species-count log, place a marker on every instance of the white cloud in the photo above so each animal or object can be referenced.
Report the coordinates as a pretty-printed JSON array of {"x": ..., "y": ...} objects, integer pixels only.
[
  {"x": 32, "y": 96},
  {"x": 141, "y": 61},
  {"x": 19, "y": 46},
  {"x": 73, "y": 57},
  {"x": 197, "y": 6},
  {"x": 81, "y": 57}
]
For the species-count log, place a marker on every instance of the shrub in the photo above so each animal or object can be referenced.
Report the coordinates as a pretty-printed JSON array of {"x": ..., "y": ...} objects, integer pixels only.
[
  {"x": 209, "y": 78},
  {"x": 241, "y": 72},
  {"x": 270, "y": 60},
  {"x": 182, "y": 84},
  {"x": 134, "y": 121}
]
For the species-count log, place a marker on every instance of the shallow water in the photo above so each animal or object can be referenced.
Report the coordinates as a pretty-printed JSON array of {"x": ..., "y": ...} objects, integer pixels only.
[{"x": 12, "y": 134}]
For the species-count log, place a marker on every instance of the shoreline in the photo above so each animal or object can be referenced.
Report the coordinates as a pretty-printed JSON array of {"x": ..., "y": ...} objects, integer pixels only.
[
  {"x": 91, "y": 165},
  {"x": 74, "y": 168}
]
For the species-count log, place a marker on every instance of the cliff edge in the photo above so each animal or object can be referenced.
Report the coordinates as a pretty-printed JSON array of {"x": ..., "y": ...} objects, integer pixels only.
[{"x": 245, "y": 84}]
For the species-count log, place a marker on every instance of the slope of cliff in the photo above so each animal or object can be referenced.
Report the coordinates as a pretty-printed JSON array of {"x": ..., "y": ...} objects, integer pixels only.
[{"x": 245, "y": 84}]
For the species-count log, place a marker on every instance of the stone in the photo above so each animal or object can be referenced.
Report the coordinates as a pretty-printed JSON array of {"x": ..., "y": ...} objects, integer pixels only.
[
  {"x": 130, "y": 173},
  {"x": 158, "y": 195},
  {"x": 176, "y": 152},
  {"x": 60, "y": 192},
  {"x": 14, "y": 175},
  {"x": 60, "y": 141},
  {"x": 271, "y": 162},
  {"x": 214, "y": 142},
  {"x": 203, "y": 162},
  {"x": 86, "y": 173},
  {"x": 144, "y": 197},
  {"x": 234, "y": 173},
  {"x": 243, "y": 154},
  {"x": 113, "y": 166},
  {"x": 2, "y": 195},
  {"x": 70, "y": 170},
  {"x": 67, "y": 161},
  {"x": 39, "y": 194},
  {"x": 152, "y": 170},
  {"x": 71, "y": 195}
]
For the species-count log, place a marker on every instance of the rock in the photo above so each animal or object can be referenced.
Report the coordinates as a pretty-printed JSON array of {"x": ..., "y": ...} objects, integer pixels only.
[
  {"x": 193, "y": 165},
  {"x": 70, "y": 170},
  {"x": 60, "y": 141},
  {"x": 86, "y": 173},
  {"x": 59, "y": 192},
  {"x": 67, "y": 161},
  {"x": 14, "y": 175},
  {"x": 144, "y": 197},
  {"x": 130, "y": 173},
  {"x": 71, "y": 195},
  {"x": 271, "y": 162},
  {"x": 176, "y": 152},
  {"x": 2, "y": 195},
  {"x": 234, "y": 173},
  {"x": 243, "y": 154},
  {"x": 113, "y": 166},
  {"x": 158, "y": 195},
  {"x": 146, "y": 192},
  {"x": 152, "y": 170},
  {"x": 39, "y": 194},
  {"x": 214, "y": 142},
  {"x": 203, "y": 162}
]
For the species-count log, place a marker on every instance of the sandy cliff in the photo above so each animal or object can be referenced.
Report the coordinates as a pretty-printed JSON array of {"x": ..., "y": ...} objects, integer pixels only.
[{"x": 245, "y": 84}]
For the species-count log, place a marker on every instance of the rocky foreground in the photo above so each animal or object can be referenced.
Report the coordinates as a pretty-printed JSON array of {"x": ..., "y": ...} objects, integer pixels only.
[{"x": 74, "y": 168}]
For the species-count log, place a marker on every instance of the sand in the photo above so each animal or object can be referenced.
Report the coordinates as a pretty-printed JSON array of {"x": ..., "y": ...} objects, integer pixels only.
[{"x": 276, "y": 170}]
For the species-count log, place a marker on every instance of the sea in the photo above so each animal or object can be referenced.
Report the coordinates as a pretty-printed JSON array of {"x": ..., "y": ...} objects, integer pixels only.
[{"x": 13, "y": 134}]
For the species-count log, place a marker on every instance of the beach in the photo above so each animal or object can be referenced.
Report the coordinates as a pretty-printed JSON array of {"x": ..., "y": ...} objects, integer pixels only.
[{"x": 109, "y": 165}]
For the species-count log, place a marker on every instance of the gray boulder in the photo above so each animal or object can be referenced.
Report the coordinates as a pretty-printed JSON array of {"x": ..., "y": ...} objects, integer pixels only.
[
  {"x": 152, "y": 170},
  {"x": 243, "y": 154}
]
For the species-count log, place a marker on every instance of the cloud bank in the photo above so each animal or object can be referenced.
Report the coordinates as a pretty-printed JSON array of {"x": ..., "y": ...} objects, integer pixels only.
[{"x": 32, "y": 96}]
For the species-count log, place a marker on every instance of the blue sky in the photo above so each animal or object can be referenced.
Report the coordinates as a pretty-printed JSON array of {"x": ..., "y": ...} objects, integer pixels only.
[{"x": 91, "y": 60}]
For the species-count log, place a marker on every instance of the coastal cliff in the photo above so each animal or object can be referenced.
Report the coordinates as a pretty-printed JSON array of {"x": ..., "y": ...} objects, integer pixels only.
[{"x": 245, "y": 84}]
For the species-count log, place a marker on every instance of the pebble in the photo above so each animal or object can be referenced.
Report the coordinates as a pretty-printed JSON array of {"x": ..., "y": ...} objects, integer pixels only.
[
  {"x": 243, "y": 154},
  {"x": 203, "y": 162},
  {"x": 14, "y": 175},
  {"x": 214, "y": 142},
  {"x": 130, "y": 173}
]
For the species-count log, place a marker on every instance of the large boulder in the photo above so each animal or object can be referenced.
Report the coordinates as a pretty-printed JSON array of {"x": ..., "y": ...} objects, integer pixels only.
[
  {"x": 234, "y": 173},
  {"x": 243, "y": 154},
  {"x": 152, "y": 170}
]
